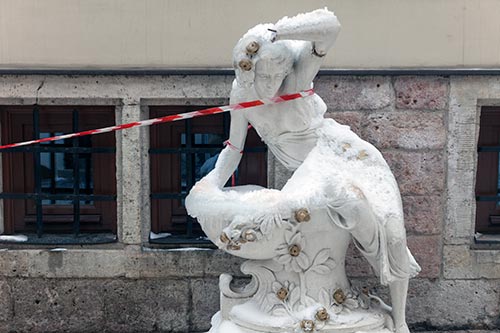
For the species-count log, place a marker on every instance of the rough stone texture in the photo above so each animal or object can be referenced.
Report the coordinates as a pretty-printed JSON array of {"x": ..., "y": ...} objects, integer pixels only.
[
  {"x": 427, "y": 252},
  {"x": 5, "y": 301},
  {"x": 43, "y": 305},
  {"x": 406, "y": 130},
  {"x": 72, "y": 263},
  {"x": 353, "y": 119},
  {"x": 110, "y": 263},
  {"x": 429, "y": 93},
  {"x": 133, "y": 188},
  {"x": 205, "y": 302},
  {"x": 417, "y": 173},
  {"x": 462, "y": 262},
  {"x": 453, "y": 304},
  {"x": 197, "y": 263},
  {"x": 423, "y": 214},
  {"x": 146, "y": 305},
  {"x": 356, "y": 265},
  {"x": 355, "y": 93}
]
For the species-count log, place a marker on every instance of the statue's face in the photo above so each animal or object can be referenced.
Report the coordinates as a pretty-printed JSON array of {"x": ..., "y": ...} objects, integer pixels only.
[{"x": 269, "y": 76}]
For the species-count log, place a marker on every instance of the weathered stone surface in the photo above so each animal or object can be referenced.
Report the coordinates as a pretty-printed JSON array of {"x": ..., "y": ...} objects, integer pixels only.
[
  {"x": 429, "y": 93},
  {"x": 107, "y": 263},
  {"x": 427, "y": 252},
  {"x": 353, "y": 119},
  {"x": 356, "y": 265},
  {"x": 182, "y": 263},
  {"x": 133, "y": 189},
  {"x": 407, "y": 130},
  {"x": 5, "y": 301},
  {"x": 453, "y": 303},
  {"x": 355, "y": 93},
  {"x": 423, "y": 214},
  {"x": 52, "y": 305},
  {"x": 462, "y": 262},
  {"x": 149, "y": 305},
  {"x": 417, "y": 173},
  {"x": 205, "y": 303}
]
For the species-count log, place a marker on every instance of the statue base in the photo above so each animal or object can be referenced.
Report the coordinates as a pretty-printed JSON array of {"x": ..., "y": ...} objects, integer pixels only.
[{"x": 247, "y": 318}]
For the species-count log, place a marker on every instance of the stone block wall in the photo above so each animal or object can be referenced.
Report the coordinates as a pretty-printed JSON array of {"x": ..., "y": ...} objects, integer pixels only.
[{"x": 132, "y": 287}]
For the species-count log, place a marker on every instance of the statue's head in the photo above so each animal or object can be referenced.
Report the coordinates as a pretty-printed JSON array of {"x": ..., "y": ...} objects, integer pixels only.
[{"x": 260, "y": 62}]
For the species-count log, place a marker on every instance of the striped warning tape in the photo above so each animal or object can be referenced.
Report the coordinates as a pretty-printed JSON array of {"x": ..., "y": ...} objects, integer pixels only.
[{"x": 171, "y": 118}]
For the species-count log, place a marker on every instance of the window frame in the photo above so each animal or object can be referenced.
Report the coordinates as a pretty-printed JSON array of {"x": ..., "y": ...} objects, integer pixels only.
[
  {"x": 104, "y": 197},
  {"x": 218, "y": 124},
  {"x": 487, "y": 172}
]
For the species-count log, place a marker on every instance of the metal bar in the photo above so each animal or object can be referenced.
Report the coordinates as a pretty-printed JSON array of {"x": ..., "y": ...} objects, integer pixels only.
[
  {"x": 226, "y": 124},
  {"x": 488, "y": 198},
  {"x": 88, "y": 166},
  {"x": 76, "y": 178},
  {"x": 185, "y": 150},
  {"x": 47, "y": 196},
  {"x": 488, "y": 149},
  {"x": 190, "y": 172},
  {"x": 201, "y": 150},
  {"x": 178, "y": 196},
  {"x": 37, "y": 167},
  {"x": 52, "y": 172}
]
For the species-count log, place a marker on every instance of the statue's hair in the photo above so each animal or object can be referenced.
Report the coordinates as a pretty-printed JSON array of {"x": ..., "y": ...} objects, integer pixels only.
[{"x": 266, "y": 50}]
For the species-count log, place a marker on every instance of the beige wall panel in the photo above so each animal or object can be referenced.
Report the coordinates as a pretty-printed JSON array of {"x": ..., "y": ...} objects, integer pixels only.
[{"x": 201, "y": 33}]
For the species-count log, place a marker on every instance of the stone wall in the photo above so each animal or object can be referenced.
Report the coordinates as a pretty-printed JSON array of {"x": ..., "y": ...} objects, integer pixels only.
[{"x": 132, "y": 287}]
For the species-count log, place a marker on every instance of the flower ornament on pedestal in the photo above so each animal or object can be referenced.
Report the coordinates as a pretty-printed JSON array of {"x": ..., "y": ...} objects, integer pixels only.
[{"x": 291, "y": 253}]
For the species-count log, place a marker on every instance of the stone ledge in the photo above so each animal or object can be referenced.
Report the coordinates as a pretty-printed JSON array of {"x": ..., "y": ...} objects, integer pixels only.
[
  {"x": 129, "y": 263},
  {"x": 462, "y": 262}
]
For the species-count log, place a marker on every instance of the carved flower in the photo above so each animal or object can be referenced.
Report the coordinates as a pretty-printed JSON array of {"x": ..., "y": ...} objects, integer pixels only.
[
  {"x": 283, "y": 295},
  {"x": 283, "y": 290},
  {"x": 306, "y": 326},
  {"x": 291, "y": 254},
  {"x": 338, "y": 301},
  {"x": 343, "y": 301}
]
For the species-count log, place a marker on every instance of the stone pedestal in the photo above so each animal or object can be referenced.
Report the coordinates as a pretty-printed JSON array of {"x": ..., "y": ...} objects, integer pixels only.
[{"x": 298, "y": 279}]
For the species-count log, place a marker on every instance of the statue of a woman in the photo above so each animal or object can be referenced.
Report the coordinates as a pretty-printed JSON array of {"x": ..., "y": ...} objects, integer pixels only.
[{"x": 334, "y": 170}]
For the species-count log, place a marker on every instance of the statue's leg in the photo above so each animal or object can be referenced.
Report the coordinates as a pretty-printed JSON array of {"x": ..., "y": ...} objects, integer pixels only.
[
  {"x": 400, "y": 266},
  {"x": 399, "y": 290},
  {"x": 383, "y": 246}
]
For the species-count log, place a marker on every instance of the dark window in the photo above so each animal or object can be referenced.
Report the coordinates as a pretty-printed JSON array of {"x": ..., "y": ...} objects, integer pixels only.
[
  {"x": 488, "y": 171},
  {"x": 182, "y": 153},
  {"x": 59, "y": 187}
]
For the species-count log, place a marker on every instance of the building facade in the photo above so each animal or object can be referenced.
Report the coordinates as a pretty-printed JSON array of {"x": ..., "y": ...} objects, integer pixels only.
[{"x": 109, "y": 247}]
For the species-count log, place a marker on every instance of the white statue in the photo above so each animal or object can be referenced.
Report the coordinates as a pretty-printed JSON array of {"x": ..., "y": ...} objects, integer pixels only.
[{"x": 296, "y": 238}]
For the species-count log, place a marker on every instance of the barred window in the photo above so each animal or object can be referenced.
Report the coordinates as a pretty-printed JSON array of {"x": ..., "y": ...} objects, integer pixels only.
[
  {"x": 181, "y": 154},
  {"x": 488, "y": 171},
  {"x": 62, "y": 191}
]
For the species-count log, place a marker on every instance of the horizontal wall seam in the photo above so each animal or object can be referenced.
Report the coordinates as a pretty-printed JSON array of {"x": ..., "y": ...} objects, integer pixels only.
[{"x": 230, "y": 72}]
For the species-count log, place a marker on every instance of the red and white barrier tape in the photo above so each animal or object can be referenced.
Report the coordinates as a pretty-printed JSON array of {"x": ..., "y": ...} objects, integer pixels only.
[{"x": 171, "y": 118}]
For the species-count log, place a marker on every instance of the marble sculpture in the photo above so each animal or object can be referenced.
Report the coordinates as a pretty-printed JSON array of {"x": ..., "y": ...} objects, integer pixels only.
[{"x": 295, "y": 239}]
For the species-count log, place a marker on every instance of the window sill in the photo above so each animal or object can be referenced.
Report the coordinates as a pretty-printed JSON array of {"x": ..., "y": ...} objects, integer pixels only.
[
  {"x": 62, "y": 239},
  {"x": 486, "y": 242},
  {"x": 173, "y": 241}
]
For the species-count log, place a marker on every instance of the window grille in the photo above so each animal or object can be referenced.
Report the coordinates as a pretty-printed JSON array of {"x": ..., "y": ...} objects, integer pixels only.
[
  {"x": 488, "y": 173},
  {"x": 62, "y": 191},
  {"x": 182, "y": 153}
]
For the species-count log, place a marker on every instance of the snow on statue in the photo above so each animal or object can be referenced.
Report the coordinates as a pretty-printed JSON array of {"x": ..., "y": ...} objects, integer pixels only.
[{"x": 296, "y": 238}]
